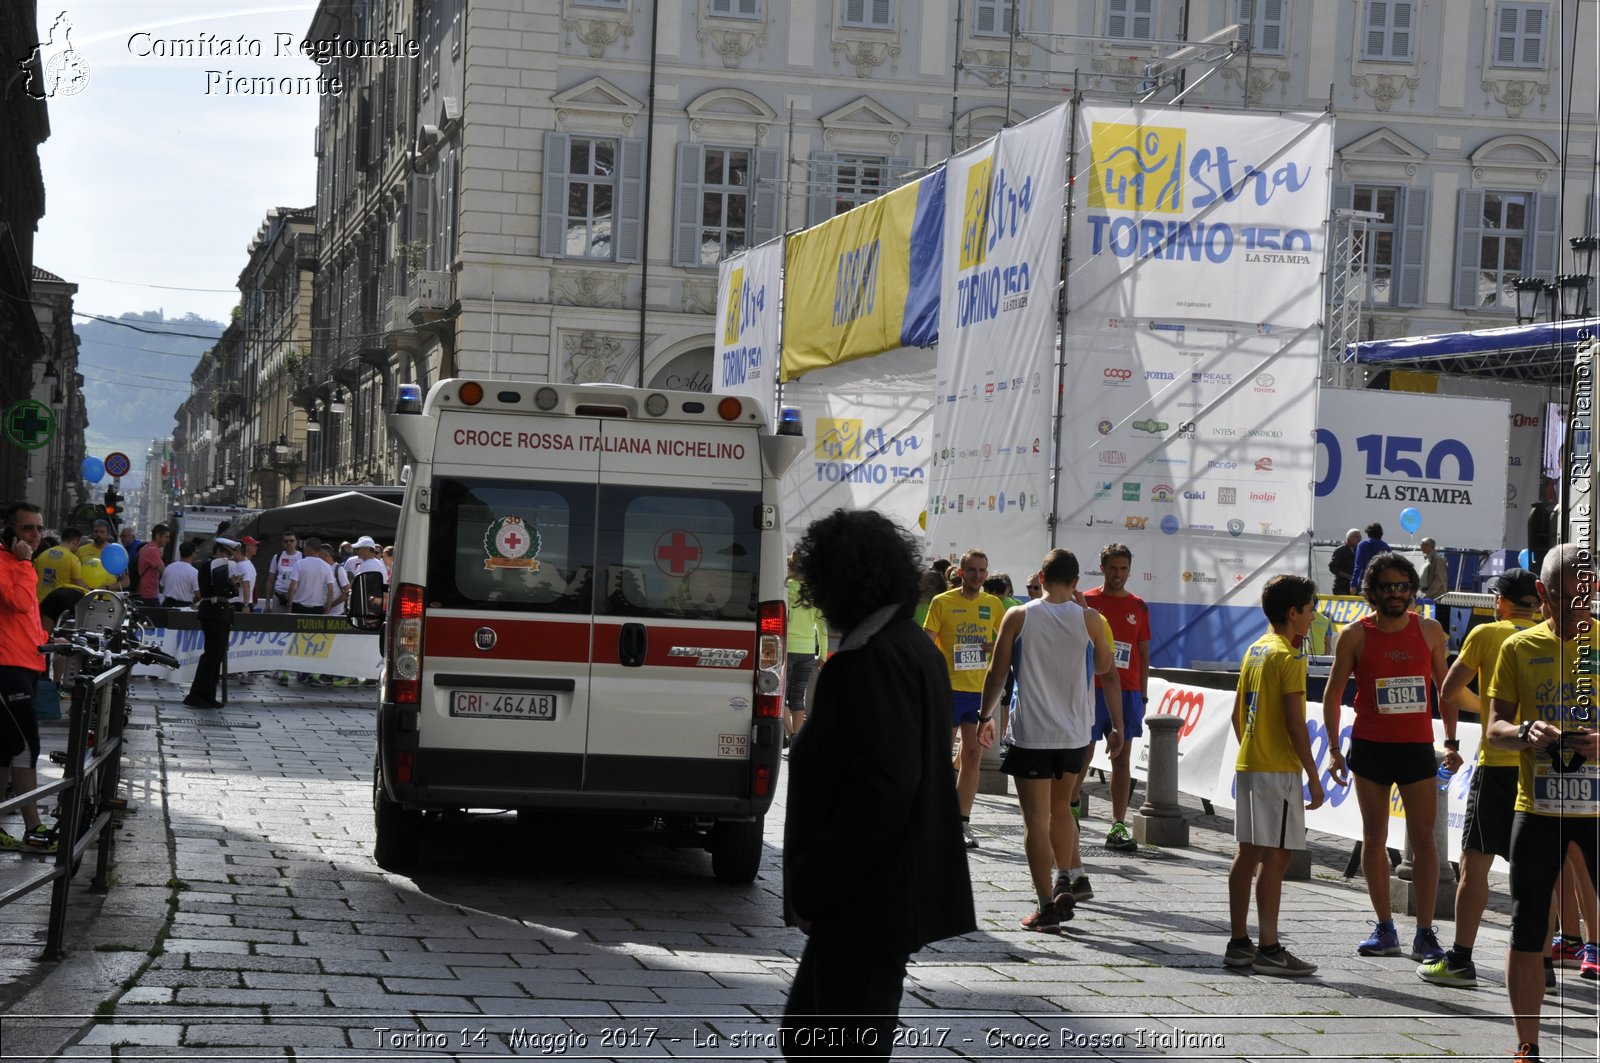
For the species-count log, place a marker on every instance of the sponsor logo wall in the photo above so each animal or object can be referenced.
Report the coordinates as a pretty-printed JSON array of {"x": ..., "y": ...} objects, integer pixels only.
[
  {"x": 1379, "y": 453},
  {"x": 1525, "y": 453},
  {"x": 1195, "y": 292},
  {"x": 990, "y": 478},
  {"x": 745, "y": 359}
]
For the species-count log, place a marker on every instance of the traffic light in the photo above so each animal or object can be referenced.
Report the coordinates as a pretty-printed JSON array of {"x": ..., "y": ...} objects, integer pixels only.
[{"x": 114, "y": 507}]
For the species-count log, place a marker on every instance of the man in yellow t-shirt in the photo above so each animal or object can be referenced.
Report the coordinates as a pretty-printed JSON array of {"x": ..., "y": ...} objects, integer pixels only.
[
  {"x": 1542, "y": 700},
  {"x": 58, "y": 566},
  {"x": 962, "y": 622},
  {"x": 1486, "y": 832},
  {"x": 1269, "y": 720},
  {"x": 99, "y": 539},
  {"x": 93, "y": 576}
]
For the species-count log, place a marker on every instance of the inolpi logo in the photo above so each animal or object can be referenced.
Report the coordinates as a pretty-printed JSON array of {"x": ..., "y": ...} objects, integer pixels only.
[
  {"x": 975, "y": 214},
  {"x": 838, "y": 439},
  {"x": 1137, "y": 168}
]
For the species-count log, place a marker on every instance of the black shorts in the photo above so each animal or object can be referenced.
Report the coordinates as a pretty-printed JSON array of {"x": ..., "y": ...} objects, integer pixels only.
[
  {"x": 1538, "y": 852},
  {"x": 1491, "y": 808},
  {"x": 19, "y": 727},
  {"x": 1391, "y": 763},
  {"x": 801, "y": 667},
  {"x": 1027, "y": 763}
]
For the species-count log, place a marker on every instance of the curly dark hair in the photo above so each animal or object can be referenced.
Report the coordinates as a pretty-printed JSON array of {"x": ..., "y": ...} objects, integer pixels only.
[
  {"x": 1386, "y": 562},
  {"x": 852, "y": 563}
]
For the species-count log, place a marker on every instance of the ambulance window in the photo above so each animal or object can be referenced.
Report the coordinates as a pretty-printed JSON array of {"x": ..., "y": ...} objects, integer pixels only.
[
  {"x": 512, "y": 545},
  {"x": 679, "y": 554}
]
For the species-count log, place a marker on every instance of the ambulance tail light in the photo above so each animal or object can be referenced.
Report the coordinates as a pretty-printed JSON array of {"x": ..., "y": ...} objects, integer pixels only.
[
  {"x": 763, "y": 781},
  {"x": 471, "y": 393},
  {"x": 405, "y": 645},
  {"x": 770, "y": 659},
  {"x": 405, "y": 766}
]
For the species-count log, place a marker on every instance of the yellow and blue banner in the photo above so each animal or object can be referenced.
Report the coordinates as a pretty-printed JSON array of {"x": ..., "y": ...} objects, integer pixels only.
[
  {"x": 865, "y": 282},
  {"x": 745, "y": 358}
]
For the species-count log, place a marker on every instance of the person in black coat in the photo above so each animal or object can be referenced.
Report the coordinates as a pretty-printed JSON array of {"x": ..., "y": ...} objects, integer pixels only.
[
  {"x": 216, "y": 618},
  {"x": 874, "y": 864},
  {"x": 1343, "y": 562}
]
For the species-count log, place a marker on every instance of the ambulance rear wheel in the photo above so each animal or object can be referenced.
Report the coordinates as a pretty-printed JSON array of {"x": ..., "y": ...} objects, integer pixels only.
[
  {"x": 399, "y": 832},
  {"x": 736, "y": 850}
]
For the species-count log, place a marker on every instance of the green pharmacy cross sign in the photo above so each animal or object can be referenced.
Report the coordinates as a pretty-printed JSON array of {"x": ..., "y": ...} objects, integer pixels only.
[{"x": 29, "y": 424}]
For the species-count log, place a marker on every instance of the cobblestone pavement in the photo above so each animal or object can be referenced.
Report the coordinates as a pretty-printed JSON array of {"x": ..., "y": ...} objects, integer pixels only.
[{"x": 248, "y": 920}]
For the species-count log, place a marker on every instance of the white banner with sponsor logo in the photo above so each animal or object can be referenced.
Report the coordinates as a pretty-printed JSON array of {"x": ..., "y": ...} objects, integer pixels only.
[
  {"x": 1193, "y": 350},
  {"x": 316, "y": 645},
  {"x": 749, "y": 331},
  {"x": 870, "y": 425},
  {"x": 1420, "y": 465},
  {"x": 1207, "y": 750},
  {"x": 1530, "y": 421},
  {"x": 989, "y": 485}
]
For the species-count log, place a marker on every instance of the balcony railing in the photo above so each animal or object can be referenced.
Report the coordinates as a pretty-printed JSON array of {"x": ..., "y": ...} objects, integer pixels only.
[{"x": 431, "y": 295}]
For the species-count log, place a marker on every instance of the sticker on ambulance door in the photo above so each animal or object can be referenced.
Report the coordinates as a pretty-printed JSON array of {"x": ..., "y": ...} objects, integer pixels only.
[
  {"x": 510, "y": 543},
  {"x": 733, "y": 746},
  {"x": 677, "y": 552}
]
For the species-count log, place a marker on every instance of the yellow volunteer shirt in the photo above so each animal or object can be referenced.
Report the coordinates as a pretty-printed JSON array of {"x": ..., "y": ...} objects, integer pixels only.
[
  {"x": 962, "y": 628},
  {"x": 57, "y": 567},
  {"x": 88, "y": 549},
  {"x": 1272, "y": 670},
  {"x": 1480, "y": 651},
  {"x": 93, "y": 575},
  {"x": 1546, "y": 677}
]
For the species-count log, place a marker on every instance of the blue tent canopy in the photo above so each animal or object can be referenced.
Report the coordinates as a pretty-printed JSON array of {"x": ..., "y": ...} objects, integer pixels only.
[{"x": 1534, "y": 353}]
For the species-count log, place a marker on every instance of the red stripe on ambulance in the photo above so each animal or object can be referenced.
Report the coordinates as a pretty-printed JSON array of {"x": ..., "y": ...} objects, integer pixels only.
[{"x": 515, "y": 640}]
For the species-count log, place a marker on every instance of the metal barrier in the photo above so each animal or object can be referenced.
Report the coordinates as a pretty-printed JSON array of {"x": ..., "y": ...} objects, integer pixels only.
[{"x": 88, "y": 785}]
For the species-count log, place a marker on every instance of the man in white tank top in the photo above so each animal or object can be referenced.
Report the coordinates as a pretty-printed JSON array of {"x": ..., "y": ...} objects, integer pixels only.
[{"x": 1059, "y": 646}]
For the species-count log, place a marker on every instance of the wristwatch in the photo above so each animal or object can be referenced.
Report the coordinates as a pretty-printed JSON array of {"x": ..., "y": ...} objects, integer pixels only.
[
  {"x": 986, "y": 719},
  {"x": 1525, "y": 732},
  {"x": 1453, "y": 745}
]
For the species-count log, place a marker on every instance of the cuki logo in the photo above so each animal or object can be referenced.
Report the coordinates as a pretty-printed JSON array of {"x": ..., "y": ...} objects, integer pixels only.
[{"x": 1263, "y": 465}]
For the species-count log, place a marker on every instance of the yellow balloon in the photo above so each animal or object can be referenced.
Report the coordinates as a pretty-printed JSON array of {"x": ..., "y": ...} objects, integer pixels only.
[{"x": 922, "y": 520}]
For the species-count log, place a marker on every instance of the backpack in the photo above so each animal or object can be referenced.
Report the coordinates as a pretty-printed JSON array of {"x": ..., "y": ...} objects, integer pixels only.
[{"x": 208, "y": 588}]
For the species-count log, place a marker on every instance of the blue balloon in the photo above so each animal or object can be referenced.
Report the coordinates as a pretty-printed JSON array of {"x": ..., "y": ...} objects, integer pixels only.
[
  {"x": 1410, "y": 519},
  {"x": 94, "y": 470},
  {"x": 1525, "y": 558},
  {"x": 114, "y": 559}
]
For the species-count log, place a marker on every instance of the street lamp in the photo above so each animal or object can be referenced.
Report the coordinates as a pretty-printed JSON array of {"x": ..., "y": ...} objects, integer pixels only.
[
  {"x": 1573, "y": 289},
  {"x": 281, "y": 447},
  {"x": 311, "y": 423},
  {"x": 336, "y": 403},
  {"x": 1583, "y": 249},
  {"x": 1529, "y": 290}
]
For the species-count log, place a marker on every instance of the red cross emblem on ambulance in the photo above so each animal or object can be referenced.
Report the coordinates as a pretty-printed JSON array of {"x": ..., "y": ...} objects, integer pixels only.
[{"x": 678, "y": 552}]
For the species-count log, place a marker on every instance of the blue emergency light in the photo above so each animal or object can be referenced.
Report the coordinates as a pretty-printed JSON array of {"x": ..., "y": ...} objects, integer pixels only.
[
  {"x": 789, "y": 422},
  {"x": 408, "y": 399}
]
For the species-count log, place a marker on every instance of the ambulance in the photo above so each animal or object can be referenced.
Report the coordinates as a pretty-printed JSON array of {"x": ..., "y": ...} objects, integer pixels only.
[{"x": 586, "y": 612}]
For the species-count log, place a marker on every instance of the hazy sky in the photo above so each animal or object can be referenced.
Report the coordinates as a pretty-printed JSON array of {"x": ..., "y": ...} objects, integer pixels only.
[{"x": 155, "y": 186}]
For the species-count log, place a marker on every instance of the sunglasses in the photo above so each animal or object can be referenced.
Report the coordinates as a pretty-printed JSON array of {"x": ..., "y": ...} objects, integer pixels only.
[
  {"x": 1394, "y": 588},
  {"x": 28, "y": 527}
]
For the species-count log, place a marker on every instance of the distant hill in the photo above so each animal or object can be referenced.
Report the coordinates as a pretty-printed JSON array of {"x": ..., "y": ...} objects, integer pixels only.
[{"x": 136, "y": 374}]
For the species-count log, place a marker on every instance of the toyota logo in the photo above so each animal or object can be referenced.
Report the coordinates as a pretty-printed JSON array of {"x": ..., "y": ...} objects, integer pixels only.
[
  {"x": 1185, "y": 703},
  {"x": 1119, "y": 374},
  {"x": 484, "y": 638}
]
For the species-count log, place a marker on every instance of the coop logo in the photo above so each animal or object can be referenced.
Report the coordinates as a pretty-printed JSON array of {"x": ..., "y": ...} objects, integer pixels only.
[
  {"x": 1135, "y": 523},
  {"x": 1522, "y": 420},
  {"x": 1113, "y": 457},
  {"x": 1188, "y": 704},
  {"x": 1137, "y": 167},
  {"x": 1266, "y": 384},
  {"x": 1161, "y": 493},
  {"x": 1104, "y": 427},
  {"x": 1263, "y": 465},
  {"x": 1170, "y": 525},
  {"x": 1117, "y": 373},
  {"x": 838, "y": 438}
]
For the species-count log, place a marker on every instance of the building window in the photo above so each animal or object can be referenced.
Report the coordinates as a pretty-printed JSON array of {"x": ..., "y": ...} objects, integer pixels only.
[
  {"x": 867, "y": 14},
  {"x": 1389, "y": 31},
  {"x": 1373, "y": 279},
  {"x": 617, "y": 4},
  {"x": 1131, "y": 20},
  {"x": 734, "y": 8},
  {"x": 1519, "y": 31},
  {"x": 593, "y": 198},
  {"x": 724, "y": 204},
  {"x": 1262, "y": 23},
  {"x": 1397, "y": 243},
  {"x": 841, "y": 182},
  {"x": 1501, "y": 235},
  {"x": 727, "y": 200},
  {"x": 992, "y": 18}
]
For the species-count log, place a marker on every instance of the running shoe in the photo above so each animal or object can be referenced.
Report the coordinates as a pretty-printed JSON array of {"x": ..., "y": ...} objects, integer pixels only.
[
  {"x": 1589, "y": 967},
  {"x": 9, "y": 842},
  {"x": 1081, "y": 890},
  {"x": 1425, "y": 947},
  {"x": 1048, "y": 920},
  {"x": 1451, "y": 970},
  {"x": 1240, "y": 953},
  {"x": 1549, "y": 977},
  {"x": 1282, "y": 963},
  {"x": 1566, "y": 952},
  {"x": 1077, "y": 809},
  {"x": 1119, "y": 838},
  {"x": 1384, "y": 941},
  {"x": 967, "y": 836},
  {"x": 1526, "y": 1053}
]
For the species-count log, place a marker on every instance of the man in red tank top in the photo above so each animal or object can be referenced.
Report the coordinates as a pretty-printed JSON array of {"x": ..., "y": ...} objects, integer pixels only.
[{"x": 1398, "y": 660}]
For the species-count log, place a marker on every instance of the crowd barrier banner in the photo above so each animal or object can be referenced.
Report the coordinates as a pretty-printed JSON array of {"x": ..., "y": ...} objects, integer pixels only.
[
  {"x": 270, "y": 642},
  {"x": 745, "y": 360},
  {"x": 990, "y": 484},
  {"x": 1207, "y": 750},
  {"x": 1381, "y": 453},
  {"x": 867, "y": 281},
  {"x": 1193, "y": 355}
]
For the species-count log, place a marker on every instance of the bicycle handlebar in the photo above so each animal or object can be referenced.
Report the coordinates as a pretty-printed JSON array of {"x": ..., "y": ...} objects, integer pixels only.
[{"x": 139, "y": 655}]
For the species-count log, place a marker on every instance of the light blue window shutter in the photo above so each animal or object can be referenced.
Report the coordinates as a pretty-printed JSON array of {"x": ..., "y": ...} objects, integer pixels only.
[
  {"x": 630, "y": 200},
  {"x": 823, "y": 183},
  {"x": 1507, "y": 28},
  {"x": 1117, "y": 18},
  {"x": 1344, "y": 198},
  {"x": 1144, "y": 19},
  {"x": 1270, "y": 21},
  {"x": 1400, "y": 29},
  {"x": 767, "y": 192},
  {"x": 686, "y": 212},
  {"x": 1546, "y": 245},
  {"x": 1469, "y": 247},
  {"x": 553, "y": 208},
  {"x": 1532, "y": 36},
  {"x": 1412, "y": 233},
  {"x": 422, "y": 217},
  {"x": 1377, "y": 34}
]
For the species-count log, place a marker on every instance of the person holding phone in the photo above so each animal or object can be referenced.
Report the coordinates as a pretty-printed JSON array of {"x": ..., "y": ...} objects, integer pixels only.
[{"x": 21, "y": 665}]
